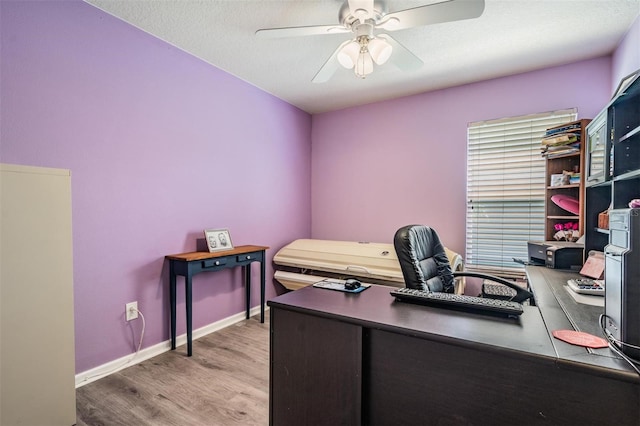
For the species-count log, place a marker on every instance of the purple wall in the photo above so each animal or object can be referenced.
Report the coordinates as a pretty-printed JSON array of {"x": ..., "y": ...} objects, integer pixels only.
[
  {"x": 161, "y": 145},
  {"x": 626, "y": 58},
  {"x": 378, "y": 167}
]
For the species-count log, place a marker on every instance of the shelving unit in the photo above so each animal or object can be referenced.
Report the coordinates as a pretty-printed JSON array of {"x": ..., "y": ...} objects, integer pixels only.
[
  {"x": 613, "y": 166},
  {"x": 557, "y": 164}
]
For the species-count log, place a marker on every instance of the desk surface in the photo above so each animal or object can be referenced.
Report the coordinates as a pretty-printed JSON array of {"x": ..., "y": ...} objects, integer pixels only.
[
  {"x": 373, "y": 360},
  {"x": 530, "y": 334},
  {"x": 376, "y": 308},
  {"x": 201, "y": 255},
  {"x": 561, "y": 311}
]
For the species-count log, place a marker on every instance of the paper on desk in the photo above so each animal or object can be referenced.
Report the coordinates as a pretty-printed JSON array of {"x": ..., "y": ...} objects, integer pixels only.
[{"x": 585, "y": 299}]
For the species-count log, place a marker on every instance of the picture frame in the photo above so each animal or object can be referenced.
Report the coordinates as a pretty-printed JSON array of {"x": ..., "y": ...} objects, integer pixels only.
[{"x": 218, "y": 239}]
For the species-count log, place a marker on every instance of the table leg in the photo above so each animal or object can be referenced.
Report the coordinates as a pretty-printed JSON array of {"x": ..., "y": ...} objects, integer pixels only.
[
  {"x": 187, "y": 286},
  {"x": 172, "y": 303},
  {"x": 262, "y": 279},
  {"x": 247, "y": 283}
]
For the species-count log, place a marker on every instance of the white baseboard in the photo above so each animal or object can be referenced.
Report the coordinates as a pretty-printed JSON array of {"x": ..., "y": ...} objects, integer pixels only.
[{"x": 116, "y": 365}]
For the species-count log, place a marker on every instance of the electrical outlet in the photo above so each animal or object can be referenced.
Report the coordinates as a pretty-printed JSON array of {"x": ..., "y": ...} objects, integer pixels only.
[{"x": 131, "y": 311}]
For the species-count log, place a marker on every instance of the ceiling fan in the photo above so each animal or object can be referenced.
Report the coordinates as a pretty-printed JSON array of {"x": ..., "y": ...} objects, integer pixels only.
[{"x": 365, "y": 18}]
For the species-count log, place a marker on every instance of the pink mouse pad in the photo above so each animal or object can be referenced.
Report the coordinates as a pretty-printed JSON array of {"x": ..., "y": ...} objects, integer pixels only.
[
  {"x": 580, "y": 338},
  {"x": 570, "y": 204}
]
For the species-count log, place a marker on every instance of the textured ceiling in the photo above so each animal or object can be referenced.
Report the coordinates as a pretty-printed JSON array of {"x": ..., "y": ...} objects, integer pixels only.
[{"x": 511, "y": 36}]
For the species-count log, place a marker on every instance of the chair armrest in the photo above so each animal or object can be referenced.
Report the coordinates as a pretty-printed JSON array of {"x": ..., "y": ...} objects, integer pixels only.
[
  {"x": 457, "y": 265},
  {"x": 521, "y": 293}
]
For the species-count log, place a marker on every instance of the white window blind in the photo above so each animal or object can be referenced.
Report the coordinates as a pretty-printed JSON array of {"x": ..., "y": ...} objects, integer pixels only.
[{"x": 505, "y": 189}]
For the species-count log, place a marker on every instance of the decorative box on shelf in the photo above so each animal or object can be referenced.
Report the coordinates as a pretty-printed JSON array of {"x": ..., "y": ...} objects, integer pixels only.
[{"x": 603, "y": 220}]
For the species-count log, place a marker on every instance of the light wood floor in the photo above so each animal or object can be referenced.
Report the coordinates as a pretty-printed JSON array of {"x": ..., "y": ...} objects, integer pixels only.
[{"x": 225, "y": 382}]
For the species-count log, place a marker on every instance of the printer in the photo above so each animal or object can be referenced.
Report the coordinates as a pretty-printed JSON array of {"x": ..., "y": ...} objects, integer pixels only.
[{"x": 556, "y": 254}]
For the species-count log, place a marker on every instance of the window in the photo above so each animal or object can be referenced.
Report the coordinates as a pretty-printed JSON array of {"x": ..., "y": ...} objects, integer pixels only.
[{"x": 505, "y": 190}]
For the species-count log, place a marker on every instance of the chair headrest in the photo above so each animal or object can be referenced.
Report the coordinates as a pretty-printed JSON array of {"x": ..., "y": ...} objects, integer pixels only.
[{"x": 423, "y": 260}]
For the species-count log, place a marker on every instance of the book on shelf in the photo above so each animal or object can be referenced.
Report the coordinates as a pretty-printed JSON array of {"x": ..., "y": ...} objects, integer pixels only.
[
  {"x": 556, "y": 154},
  {"x": 563, "y": 129},
  {"x": 560, "y": 139},
  {"x": 559, "y": 150},
  {"x": 575, "y": 145}
]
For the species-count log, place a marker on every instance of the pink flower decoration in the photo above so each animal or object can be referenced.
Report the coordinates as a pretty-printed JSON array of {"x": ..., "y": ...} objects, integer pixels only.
[
  {"x": 575, "y": 226},
  {"x": 557, "y": 227},
  {"x": 568, "y": 226}
]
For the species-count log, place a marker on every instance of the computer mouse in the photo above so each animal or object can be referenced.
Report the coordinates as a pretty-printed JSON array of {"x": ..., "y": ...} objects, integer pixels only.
[{"x": 351, "y": 284}]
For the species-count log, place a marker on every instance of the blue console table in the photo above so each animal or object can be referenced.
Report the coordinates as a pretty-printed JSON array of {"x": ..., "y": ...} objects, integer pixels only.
[{"x": 192, "y": 263}]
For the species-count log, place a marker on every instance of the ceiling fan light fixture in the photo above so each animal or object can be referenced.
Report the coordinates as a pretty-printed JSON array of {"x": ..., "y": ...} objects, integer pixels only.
[
  {"x": 363, "y": 18},
  {"x": 380, "y": 50},
  {"x": 364, "y": 64},
  {"x": 348, "y": 55}
]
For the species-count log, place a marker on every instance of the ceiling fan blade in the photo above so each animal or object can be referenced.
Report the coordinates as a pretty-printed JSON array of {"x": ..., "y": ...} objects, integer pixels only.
[
  {"x": 361, "y": 9},
  {"x": 300, "y": 31},
  {"x": 330, "y": 66},
  {"x": 401, "y": 56},
  {"x": 446, "y": 11}
]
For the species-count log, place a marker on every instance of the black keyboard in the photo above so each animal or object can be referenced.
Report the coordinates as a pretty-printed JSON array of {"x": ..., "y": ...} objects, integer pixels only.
[{"x": 459, "y": 301}]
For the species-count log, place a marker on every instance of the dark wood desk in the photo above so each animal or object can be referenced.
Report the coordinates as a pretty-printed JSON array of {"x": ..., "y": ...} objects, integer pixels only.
[
  {"x": 560, "y": 310},
  {"x": 348, "y": 359},
  {"x": 192, "y": 263}
]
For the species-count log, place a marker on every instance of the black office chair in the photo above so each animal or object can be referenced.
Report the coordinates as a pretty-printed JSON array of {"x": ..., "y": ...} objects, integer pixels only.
[{"x": 425, "y": 265}]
